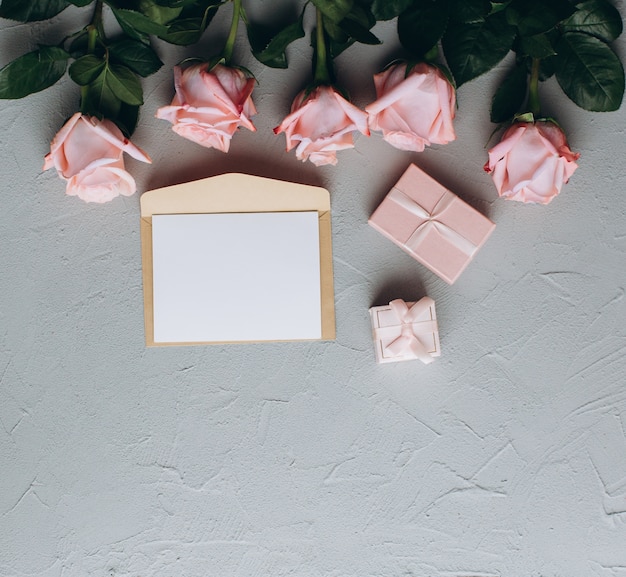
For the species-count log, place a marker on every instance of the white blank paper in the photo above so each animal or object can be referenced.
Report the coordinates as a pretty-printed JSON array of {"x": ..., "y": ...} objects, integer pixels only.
[{"x": 236, "y": 277}]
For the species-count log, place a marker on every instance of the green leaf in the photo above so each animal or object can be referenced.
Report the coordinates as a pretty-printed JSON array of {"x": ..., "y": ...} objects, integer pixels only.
[
  {"x": 358, "y": 32},
  {"x": 270, "y": 50},
  {"x": 335, "y": 10},
  {"x": 537, "y": 46},
  {"x": 127, "y": 118},
  {"x": 174, "y": 3},
  {"x": 339, "y": 38},
  {"x": 595, "y": 17},
  {"x": 135, "y": 24},
  {"x": 469, "y": 11},
  {"x": 100, "y": 100},
  {"x": 80, "y": 2},
  {"x": 33, "y": 72},
  {"x": 137, "y": 56},
  {"x": 474, "y": 48},
  {"x": 157, "y": 13},
  {"x": 389, "y": 9},
  {"x": 31, "y": 10},
  {"x": 510, "y": 95},
  {"x": 208, "y": 10},
  {"x": 86, "y": 69},
  {"x": 525, "y": 117},
  {"x": 336, "y": 33},
  {"x": 422, "y": 26},
  {"x": 194, "y": 19},
  {"x": 547, "y": 68},
  {"x": 124, "y": 84},
  {"x": 589, "y": 72},
  {"x": 362, "y": 14},
  {"x": 536, "y": 16},
  {"x": 184, "y": 32},
  {"x": 498, "y": 6},
  {"x": 79, "y": 44}
]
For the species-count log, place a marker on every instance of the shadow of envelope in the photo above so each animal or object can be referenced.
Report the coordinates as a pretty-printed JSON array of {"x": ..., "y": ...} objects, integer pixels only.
[{"x": 235, "y": 194}]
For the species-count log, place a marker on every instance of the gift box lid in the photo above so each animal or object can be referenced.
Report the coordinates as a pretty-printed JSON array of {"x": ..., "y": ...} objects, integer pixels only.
[
  {"x": 432, "y": 224},
  {"x": 388, "y": 325}
]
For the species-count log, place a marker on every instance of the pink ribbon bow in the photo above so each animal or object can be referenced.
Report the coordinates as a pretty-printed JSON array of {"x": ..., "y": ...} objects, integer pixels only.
[
  {"x": 431, "y": 220},
  {"x": 408, "y": 343}
]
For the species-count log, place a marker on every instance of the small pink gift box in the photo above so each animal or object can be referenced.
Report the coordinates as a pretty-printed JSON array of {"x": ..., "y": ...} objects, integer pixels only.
[
  {"x": 405, "y": 331},
  {"x": 432, "y": 224}
]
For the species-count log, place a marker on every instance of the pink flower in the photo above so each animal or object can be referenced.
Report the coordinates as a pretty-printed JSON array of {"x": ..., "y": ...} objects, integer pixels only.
[
  {"x": 208, "y": 107},
  {"x": 414, "y": 110},
  {"x": 321, "y": 123},
  {"x": 531, "y": 162},
  {"x": 88, "y": 153}
]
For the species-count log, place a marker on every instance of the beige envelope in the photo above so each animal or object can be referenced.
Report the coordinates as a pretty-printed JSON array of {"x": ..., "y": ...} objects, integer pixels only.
[{"x": 238, "y": 193}]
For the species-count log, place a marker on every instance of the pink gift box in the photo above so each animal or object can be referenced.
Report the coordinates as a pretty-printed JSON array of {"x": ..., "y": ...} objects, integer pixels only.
[
  {"x": 432, "y": 224},
  {"x": 405, "y": 331}
]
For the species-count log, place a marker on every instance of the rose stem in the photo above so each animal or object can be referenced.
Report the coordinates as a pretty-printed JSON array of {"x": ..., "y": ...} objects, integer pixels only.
[
  {"x": 232, "y": 34},
  {"x": 321, "y": 66},
  {"x": 533, "y": 89},
  {"x": 92, "y": 36}
]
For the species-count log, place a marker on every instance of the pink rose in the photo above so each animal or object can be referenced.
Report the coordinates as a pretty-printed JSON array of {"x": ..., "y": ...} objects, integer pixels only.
[
  {"x": 531, "y": 162},
  {"x": 208, "y": 107},
  {"x": 88, "y": 153},
  {"x": 413, "y": 111},
  {"x": 321, "y": 123}
]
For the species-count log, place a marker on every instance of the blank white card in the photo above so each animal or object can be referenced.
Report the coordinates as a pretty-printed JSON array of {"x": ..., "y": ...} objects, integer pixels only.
[{"x": 236, "y": 277}]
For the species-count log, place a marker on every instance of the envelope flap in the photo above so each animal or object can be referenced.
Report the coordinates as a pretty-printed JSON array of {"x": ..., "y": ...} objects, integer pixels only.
[{"x": 234, "y": 193}]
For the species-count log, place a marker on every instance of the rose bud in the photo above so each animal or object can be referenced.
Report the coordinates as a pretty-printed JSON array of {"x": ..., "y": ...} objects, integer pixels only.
[
  {"x": 88, "y": 153},
  {"x": 321, "y": 123},
  {"x": 531, "y": 162},
  {"x": 209, "y": 106},
  {"x": 413, "y": 110}
]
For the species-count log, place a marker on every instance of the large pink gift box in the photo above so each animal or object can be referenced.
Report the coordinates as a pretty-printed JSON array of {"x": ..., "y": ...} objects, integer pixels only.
[
  {"x": 405, "y": 331},
  {"x": 432, "y": 224}
]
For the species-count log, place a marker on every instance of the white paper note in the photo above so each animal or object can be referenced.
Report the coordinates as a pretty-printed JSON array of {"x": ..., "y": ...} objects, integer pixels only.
[{"x": 236, "y": 277}]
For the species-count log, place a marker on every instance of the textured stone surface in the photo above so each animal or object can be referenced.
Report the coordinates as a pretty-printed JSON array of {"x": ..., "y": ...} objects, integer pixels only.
[{"x": 506, "y": 457}]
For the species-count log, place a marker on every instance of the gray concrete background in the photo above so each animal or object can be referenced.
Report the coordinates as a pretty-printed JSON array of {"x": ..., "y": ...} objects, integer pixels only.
[{"x": 506, "y": 457}]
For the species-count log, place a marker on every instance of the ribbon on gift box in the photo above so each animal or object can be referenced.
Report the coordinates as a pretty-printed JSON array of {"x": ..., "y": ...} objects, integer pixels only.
[
  {"x": 407, "y": 343},
  {"x": 432, "y": 220}
]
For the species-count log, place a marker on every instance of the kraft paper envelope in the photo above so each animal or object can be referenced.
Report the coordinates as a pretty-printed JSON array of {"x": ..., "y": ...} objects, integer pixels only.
[{"x": 230, "y": 194}]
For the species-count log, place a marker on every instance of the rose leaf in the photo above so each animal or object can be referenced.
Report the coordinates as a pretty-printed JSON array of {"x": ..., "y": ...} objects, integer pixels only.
[
  {"x": 510, "y": 95},
  {"x": 589, "y": 72},
  {"x": 86, "y": 69},
  {"x": 537, "y": 46},
  {"x": 595, "y": 17},
  {"x": 471, "y": 49},
  {"x": 335, "y": 10},
  {"x": 536, "y": 16},
  {"x": 136, "y": 24},
  {"x": 33, "y": 72},
  {"x": 124, "y": 84},
  {"x": 389, "y": 9},
  {"x": 184, "y": 32},
  {"x": 100, "y": 100},
  {"x": 31, "y": 10},
  {"x": 137, "y": 56},
  {"x": 422, "y": 25},
  {"x": 270, "y": 50}
]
